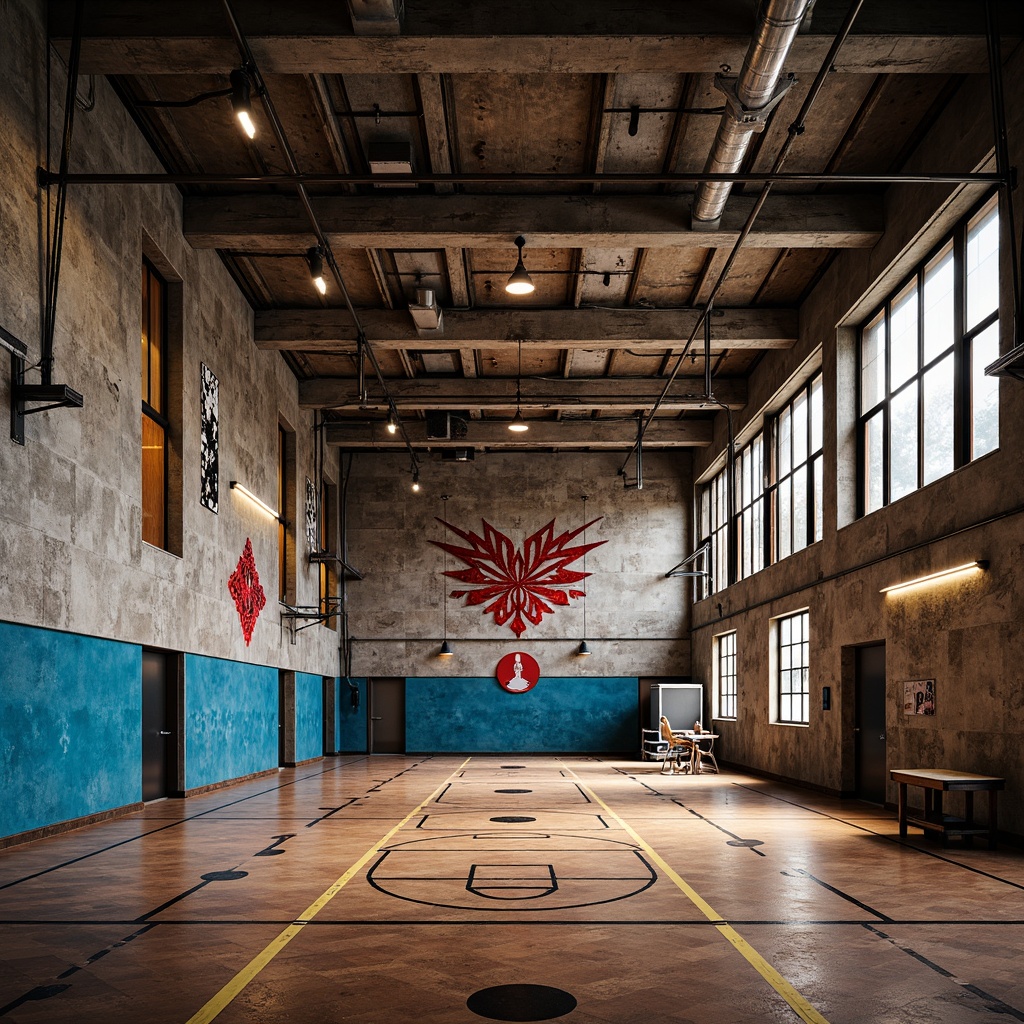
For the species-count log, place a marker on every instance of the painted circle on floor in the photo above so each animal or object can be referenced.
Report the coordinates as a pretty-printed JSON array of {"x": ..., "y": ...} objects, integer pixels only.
[
  {"x": 748, "y": 843},
  {"x": 512, "y": 766},
  {"x": 521, "y": 1002},
  {"x": 515, "y": 870},
  {"x": 224, "y": 876},
  {"x": 513, "y": 819},
  {"x": 513, "y": 791}
]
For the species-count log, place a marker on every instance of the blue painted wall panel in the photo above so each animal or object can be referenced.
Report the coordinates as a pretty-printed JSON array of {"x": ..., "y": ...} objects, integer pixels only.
[
  {"x": 477, "y": 715},
  {"x": 351, "y": 727},
  {"x": 231, "y": 719},
  {"x": 309, "y": 716},
  {"x": 70, "y": 726}
]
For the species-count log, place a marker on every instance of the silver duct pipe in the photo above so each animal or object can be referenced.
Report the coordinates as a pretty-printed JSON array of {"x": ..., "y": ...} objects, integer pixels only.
[{"x": 750, "y": 98}]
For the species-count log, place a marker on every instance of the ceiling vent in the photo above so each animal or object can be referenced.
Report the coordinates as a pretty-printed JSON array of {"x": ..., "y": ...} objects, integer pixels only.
[
  {"x": 391, "y": 157},
  {"x": 425, "y": 312}
]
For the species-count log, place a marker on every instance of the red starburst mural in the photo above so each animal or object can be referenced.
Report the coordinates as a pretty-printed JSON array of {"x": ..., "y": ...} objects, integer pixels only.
[
  {"x": 513, "y": 584},
  {"x": 244, "y": 585}
]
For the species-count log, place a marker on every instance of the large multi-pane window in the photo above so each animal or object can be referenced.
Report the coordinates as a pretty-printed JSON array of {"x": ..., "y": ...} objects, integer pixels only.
[
  {"x": 154, "y": 407},
  {"x": 793, "y": 655},
  {"x": 777, "y": 492},
  {"x": 925, "y": 405},
  {"x": 726, "y": 671},
  {"x": 797, "y": 472}
]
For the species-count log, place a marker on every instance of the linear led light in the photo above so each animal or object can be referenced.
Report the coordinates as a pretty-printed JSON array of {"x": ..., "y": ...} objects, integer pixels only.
[
  {"x": 931, "y": 577},
  {"x": 236, "y": 486}
]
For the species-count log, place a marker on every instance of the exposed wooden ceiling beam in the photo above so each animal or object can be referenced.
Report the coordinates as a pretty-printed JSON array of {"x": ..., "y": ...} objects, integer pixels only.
[
  {"x": 190, "y": 36},
  {"x": 331, "y": 330},
  {"x": 604, "y": 393},
  {"x": 617, "y": 435},
  {"x": 279, "y": 223}
]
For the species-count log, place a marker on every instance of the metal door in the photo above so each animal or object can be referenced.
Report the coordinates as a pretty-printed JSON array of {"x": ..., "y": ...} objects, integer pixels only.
[
  {"x": 387, "y": 716},
  {"x": 158, "y": 740},
  {"x": 869, "y": 731}
]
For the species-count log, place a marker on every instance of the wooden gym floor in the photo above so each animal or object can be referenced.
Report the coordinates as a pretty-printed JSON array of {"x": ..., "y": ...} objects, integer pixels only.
[{"x": 444, "y": 889}]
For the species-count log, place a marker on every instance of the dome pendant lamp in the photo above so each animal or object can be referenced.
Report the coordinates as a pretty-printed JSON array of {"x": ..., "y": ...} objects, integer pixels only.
[
  {"x": 520, "y": 283},
  {"x": 518, "y": 424}
]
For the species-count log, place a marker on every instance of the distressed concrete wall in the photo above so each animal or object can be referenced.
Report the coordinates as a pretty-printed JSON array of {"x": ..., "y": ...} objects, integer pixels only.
[
  {"x": 637, "y": 621},
  {"x": 71, "y": 552},
  {"x": 966, "y": 635}
]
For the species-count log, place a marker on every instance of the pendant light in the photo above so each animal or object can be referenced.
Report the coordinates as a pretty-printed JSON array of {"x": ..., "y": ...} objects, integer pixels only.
[
  {"x": 520, "y": 282},
  {"x": 518, "y": 424},
  {"x": 315, "y": 259},
  {"x": 241, "y": 91},
  {"x": 583, "y": 651},
  {"x": 446, "y": 648}
]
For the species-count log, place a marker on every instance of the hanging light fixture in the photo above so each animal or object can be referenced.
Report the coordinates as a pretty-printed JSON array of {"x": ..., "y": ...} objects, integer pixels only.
[
  {"x": 415, "y": 480},
  {"x": 315, "y": 259},
  {"x": 446, "y": 648},
  {"x": 241, "y": 90},
  {"x": 520, "y": 283},
  {"x": 518, "y": 424},
  {"x": 392, "y": 422},
  {"x": 583, "y": 651}
]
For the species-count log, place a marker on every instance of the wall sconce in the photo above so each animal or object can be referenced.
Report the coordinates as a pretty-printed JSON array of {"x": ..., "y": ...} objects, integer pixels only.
[
  {"x": 583, "y": 651},
  {"x": 236, "y": 486},
  {"x": 520, "y": 282},
  {"x": 957, "y": 570},
  {"x": 446, "y": 650}
]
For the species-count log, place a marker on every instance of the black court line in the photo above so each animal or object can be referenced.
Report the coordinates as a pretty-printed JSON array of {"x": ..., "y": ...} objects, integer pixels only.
[
  {"x": 895, "y": 840},
  {"x": 732, "y": 835},
  {"x": 839, "y": 892},
  {"x": 331, "y": 811},
  {"x": 993, "y": 1003},
  {"x": 173, "y": 824}
]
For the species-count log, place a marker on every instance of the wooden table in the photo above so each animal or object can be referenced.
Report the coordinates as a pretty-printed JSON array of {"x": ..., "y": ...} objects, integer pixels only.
[
  {"x": 695, "y": 739},
  {"x": 935, "y": 782}
]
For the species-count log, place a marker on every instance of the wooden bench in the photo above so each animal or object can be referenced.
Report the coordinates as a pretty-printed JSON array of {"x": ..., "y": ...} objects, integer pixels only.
[{"x": 935, "y": 782}]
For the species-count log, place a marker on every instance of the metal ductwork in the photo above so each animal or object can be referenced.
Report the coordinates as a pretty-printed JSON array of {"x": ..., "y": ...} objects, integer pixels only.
[{"x": 749, "y": 99}]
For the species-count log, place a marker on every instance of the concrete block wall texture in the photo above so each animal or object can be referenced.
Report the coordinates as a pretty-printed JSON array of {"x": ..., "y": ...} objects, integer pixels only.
[
  {"x": 231, "y": 719},
  {"x": 965, "y": 634},
  {"x": 70, "y": 727},
  {"x": 557, "y": 715},
  {"x": 637, "y": 621},
  {"x": 70, "y": 508}
]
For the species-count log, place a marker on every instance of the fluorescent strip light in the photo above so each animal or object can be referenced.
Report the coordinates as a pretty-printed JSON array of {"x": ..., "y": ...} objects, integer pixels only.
[
  {"x": 931, "y": 577},
  {"x": 236, "y": 486}
]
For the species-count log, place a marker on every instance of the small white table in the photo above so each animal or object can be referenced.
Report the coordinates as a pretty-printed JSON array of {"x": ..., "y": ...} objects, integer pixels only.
[{"x": 697, "y": 751}]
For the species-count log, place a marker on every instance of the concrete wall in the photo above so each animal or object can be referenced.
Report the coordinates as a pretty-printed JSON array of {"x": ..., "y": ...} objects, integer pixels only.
[
  {"x": 71, "y": 555},
  {"x": 965, "y": 635},
  {"x": 637, "y": 621}
]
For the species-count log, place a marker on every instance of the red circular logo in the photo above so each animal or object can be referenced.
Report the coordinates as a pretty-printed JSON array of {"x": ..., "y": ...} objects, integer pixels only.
[{"x": 517, "y": 672}]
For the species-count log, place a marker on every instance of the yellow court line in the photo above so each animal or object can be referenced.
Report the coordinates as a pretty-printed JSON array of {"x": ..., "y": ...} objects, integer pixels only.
[
  {"x": 238, "y": 983},
  {"x": 800, "y": 1005}
]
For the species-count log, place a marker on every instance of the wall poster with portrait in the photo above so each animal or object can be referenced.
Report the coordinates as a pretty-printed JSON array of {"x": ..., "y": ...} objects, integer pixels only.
[{"x": 919, "y": 697}]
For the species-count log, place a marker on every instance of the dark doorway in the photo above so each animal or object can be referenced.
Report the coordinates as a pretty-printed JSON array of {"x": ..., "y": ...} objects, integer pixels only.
[
  {"x": 869, "y": 726},
  {"x": 159, "y": 727},
  {"x": 387, "y": 716}
]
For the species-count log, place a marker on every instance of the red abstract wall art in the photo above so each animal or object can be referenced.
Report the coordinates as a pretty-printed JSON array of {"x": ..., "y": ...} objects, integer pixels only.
[
  {"x": 244, "y": 586},
  {"x": 512, "y": 584}
]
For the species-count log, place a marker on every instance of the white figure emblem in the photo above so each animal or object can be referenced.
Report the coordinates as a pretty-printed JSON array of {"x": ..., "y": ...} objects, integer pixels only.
[{"x": 517, "y": 683}]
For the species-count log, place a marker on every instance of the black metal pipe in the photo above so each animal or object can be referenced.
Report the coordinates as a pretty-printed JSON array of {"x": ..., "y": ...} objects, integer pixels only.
[{"x": 297, "y": 179}]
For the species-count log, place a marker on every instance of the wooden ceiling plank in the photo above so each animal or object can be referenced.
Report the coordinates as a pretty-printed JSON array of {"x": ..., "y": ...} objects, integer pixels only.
[
  {"x": 278, "y": 223},
  {"x": 571, "y": 394},
  {"x": 333, "y": 330}
]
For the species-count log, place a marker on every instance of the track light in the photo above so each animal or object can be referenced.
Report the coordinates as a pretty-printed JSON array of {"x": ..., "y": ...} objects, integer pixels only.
[
  {"x": 315, "y": 259},
  {"x": 957, "y": 570},
  {"x": 241, "y": 89},
  {"x": 446, "y": 650},
  {"x": 520, "y": 283},
  {"x": 258, "y": 502}
]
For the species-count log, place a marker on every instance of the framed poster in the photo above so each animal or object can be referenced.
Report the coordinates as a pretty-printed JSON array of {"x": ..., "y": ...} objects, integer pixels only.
[
  {"x": 919, "y": 697},
  {"x": 311, "y": 515},
  {"x": 209, "y": 456}
]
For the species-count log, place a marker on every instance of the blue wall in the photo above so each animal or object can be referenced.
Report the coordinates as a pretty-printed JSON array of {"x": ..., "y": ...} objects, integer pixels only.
[
  {"x": 231, "y": 719},
  {"x": 350, "y": 732},
  {"x": 70, "y": 726},
  {"x": 309, "y": 716},
  {"x": 477, "y": 715}
]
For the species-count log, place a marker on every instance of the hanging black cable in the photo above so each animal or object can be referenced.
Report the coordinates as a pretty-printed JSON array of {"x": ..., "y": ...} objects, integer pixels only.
[
  {"x": 251, "y": 67},
  {"x": 796, "y": 129}
]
